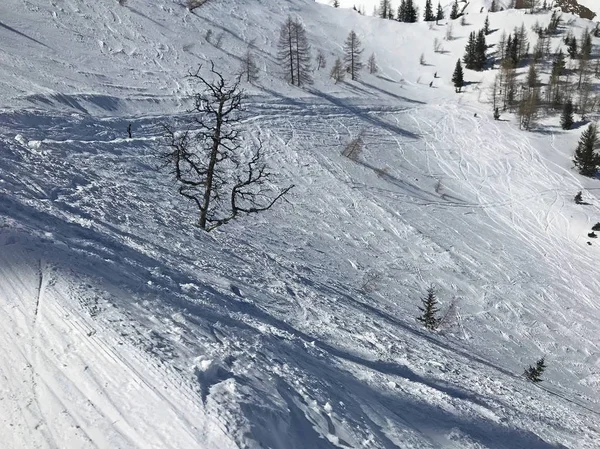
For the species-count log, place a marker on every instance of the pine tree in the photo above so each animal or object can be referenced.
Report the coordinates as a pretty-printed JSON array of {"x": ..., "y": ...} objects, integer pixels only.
[
  {"x": 429, "y": 311},
  {"x": 493, "y": 7},
  {"x": 401, "y": 16},
  {"x": 585, "y": 159},
  {"x": 454, "y": 10},
  {"x": 428, "y": 15},
  {"x": 352, "y": 52},
  {"x": 534, "y": 374},
  {"x": 407, "y": 12},
  {"x": 337, "y": 71},
  {"x": 566, "y": 118},
  {"x": 572, "y": 48},
  {"x": 385, "y": 9},
  {"x": 486, "y": 25},
  {"x": 439, "y": 14},
  {"x": 336, "y": 3},
  {"x": 372, "y": 64},
  {"x": 480, "y": 48},
  {"x": 457, "y": 77},
  {"x": 469, "y": 56},
  {"x": 586, "y": 45}
]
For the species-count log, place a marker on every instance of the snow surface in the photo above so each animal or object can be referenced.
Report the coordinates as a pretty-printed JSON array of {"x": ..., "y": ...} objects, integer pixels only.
[{"x": 124, "y": 326}]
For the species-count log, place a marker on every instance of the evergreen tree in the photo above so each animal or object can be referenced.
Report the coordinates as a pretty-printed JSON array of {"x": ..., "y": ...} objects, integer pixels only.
[
  {"x": 352, "y": 52},
  {"x": 586, "y": 45},
  {"x": 469, "y": 57},
  {"x": 428, "y": 15},
  {"x": 534, "y": 373},
  {"x": 454, "y": 10},
  {"x": 585, "y": 159},
  {"x": 429, "y": 311},
  {"x": 385, "y": 9},
  {"x": 572, "y": 48},
  {"x": 486, "y": 25},
  {"x": 337, "y": 71},
  {"x": 439, "y": 14},
  {"x": 566, "y": 118},
  {"x": 493, "y": 7},
  {"x": 401, "y": 16},
  {"x": 457, "y": 77},
  {"x": 336, "y": 3},
  {"x": 410, "y": 12},
  {"x": 480, "y": 48}
]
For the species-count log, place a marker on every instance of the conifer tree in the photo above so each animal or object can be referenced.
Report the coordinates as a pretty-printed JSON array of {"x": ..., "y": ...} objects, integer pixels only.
[
  {"x": 401, "y": 16},
  {"x": 352, "y": 52},
  {"x": 454, "y": 10},
  {"x": 429, "y": 311},
  {"x": 480, "y": 48},
  {"x": 457, "y": 77},
  {"x": 586, "y": 159},
  {"x": 337, "y": 71},
  {"x": 566, "y": 118},
  {"x": 385, "y": 9},
  {"x": 428, "y": 14},
  {"x": 336, "y": 3},
  {"x": 469, "y": 57},
  {"x": 534, "y": 373},
  {"x": 486, "y": 25},
  {"x": 407, "y": 11},
  {"x": 586, "y": 45},
  {"x": 439, "y": 14},
  {"x": 493, "y": 7},
  {"x": 572, "y": 48}
]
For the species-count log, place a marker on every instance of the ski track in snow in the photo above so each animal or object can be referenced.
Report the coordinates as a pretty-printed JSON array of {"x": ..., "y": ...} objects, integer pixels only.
[{"x": 124, "y": 326}]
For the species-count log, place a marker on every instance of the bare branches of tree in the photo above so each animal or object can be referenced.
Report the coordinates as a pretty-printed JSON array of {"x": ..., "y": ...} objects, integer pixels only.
[
  {"x": 212, "y": 165},
  {"x": 293, "y": 52}
]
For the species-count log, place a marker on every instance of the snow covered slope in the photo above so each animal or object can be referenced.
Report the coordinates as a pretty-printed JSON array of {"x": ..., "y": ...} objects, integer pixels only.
[{"x": 124, "y": 326}]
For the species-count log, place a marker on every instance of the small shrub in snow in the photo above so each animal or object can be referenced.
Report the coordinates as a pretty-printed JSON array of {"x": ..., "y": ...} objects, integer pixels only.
[
  {"x": 354, "y": 148},
  {"x": 429, "y": 317},
  {"x": 596, "y": 227},
  {"x": 534, "y": 373}
]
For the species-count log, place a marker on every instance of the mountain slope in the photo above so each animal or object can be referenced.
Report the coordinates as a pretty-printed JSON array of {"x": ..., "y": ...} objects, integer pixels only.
[{"x": 123, "y": 325}]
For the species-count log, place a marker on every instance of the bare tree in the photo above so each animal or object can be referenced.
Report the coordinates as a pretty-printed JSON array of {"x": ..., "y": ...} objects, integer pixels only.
[
  {"x": 352, "y": 52},
  {"x": 321, "y": 61},
  {"x": 337, "y": 71},
  {"x": 372, "y": 64},
  {"x": 294, "y": 52},
  {"x": 212, "y": 166},
  {"x": 249, "y": 69}
]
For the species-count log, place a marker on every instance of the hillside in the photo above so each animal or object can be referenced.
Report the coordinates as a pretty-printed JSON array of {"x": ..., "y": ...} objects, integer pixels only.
[{"x": 123, "y": 325}]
